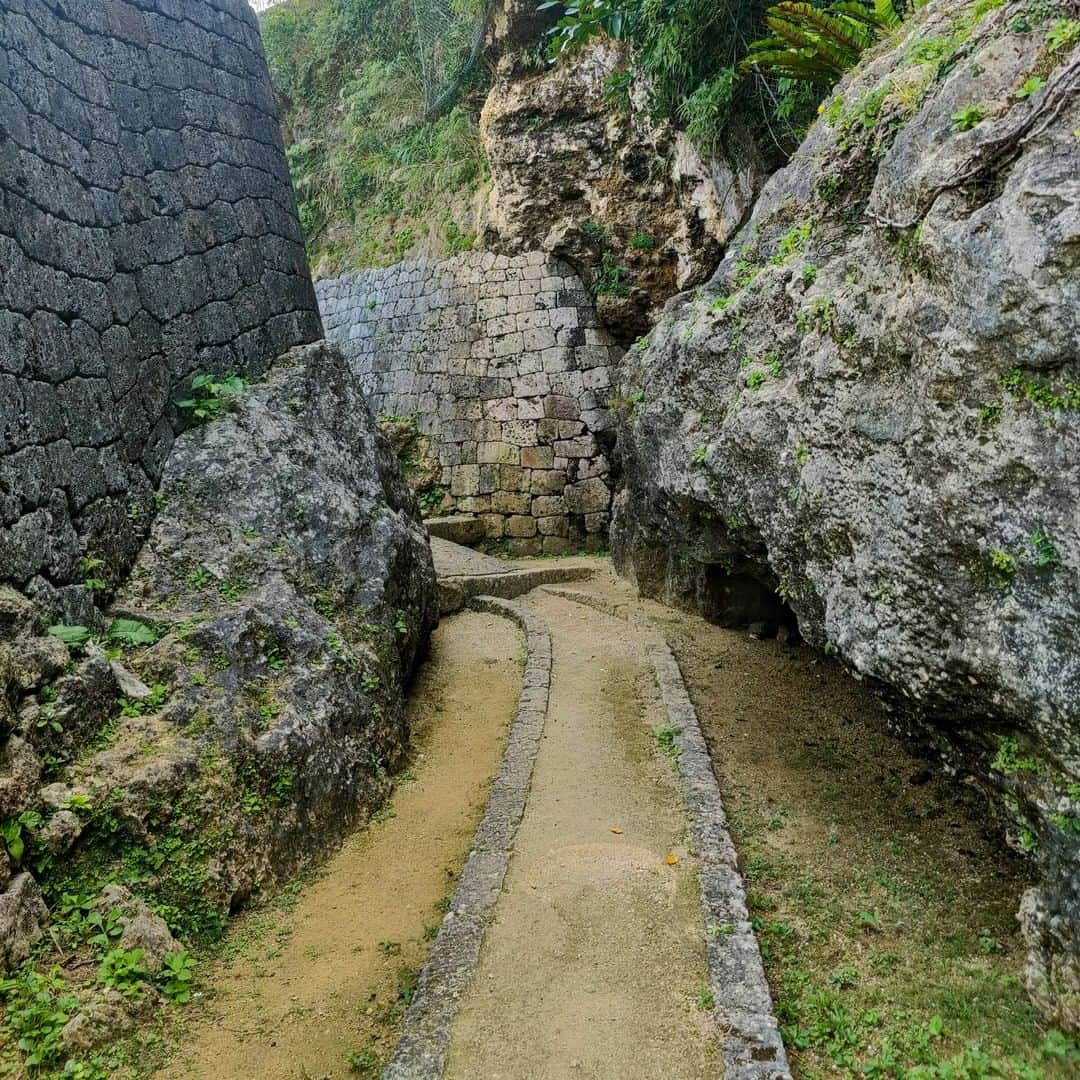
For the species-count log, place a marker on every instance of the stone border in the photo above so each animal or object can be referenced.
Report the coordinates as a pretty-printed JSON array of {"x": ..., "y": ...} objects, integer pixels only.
[
  {"x": 421, "y": 1051},
  {"x": 753, "y": 1049},
  {"x": 457, "y": 590}
]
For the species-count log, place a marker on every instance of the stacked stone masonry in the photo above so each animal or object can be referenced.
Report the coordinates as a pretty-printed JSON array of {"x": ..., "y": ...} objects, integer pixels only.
[
  {"x": 502, "y": 364},
  {"x": 148, "y": 231}
]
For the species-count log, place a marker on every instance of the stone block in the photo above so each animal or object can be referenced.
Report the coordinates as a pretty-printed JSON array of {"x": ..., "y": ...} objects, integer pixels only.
[
  {"x": 520, "y": 525},
  {"x": 548, "y": 506},
  {"x": 582, "y": 447},
  {"x": 596, "y": 523},
  {"x": 520, "y": 433},
  {"x": 553, "y": 526},
  {"x": 558, "y": 545},
  {"x": 493, "y": 525},
  {"x": 489, "y": 479},
  {"x": 520, "y": 547},
  {"x": 510, "y": 502},
  {"x": 474, "y": 504},
  {"x": 537, "y": 457},
  {"x": 588, "y": 496},
  {"x": 498, "y": 453},
  {"x": 530, "y": 408},
  {"x": 513, "y": 478},
  {"x": 561, "y": 407},
  {"x": 510, "y": 345},
  {"x": 547, "y": 481},
  {"x": 465, "y": 480}
]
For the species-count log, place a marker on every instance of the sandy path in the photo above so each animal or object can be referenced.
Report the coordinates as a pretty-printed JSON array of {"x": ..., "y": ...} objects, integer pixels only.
[
  {"x": 323, "y": 981},
  {"x": 596, "y": 954}
]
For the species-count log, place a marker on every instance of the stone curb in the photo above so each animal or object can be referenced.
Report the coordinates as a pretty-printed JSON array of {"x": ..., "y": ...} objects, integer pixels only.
[
  {"x": 421, "y": 1051},
  {"x": 456, "y": 591},
  {"x": 753, "y": 1049}
]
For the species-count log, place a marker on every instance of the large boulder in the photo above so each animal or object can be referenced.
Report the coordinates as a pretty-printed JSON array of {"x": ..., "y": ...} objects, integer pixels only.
[
  {"x": 869, "y": 420},
  {"x": 273, "y": 618},
  {"x": 622, "y": 196}
]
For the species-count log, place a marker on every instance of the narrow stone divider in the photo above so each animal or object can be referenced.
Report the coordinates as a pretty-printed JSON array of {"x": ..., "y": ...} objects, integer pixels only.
[
  {"x": 753, "y": 1049},
  {"x": 425, "y": 1038}
]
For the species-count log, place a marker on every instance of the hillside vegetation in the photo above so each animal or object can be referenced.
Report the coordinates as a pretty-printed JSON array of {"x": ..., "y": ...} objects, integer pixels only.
[{"x": 354, "y": 80}]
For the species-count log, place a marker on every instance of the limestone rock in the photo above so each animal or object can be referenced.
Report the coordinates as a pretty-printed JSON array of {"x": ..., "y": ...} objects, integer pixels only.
[
  {"x": 291, "y": 563},
  {"x": 60, "y": 831},
  {"x": 872, "y": 410},
  {"x": 587, "y": 181},
  {"x": 143, "y": 929},
  {"x": 22, "y": 915},
  {"x": 106, "y": 1017}
]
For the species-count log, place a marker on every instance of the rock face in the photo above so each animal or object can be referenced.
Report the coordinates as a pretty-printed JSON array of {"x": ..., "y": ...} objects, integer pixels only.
[
  {"x": 873, "y": 411},
  {"x": 288, "y": 581},
  {"x": 625, "y": 199},
  {"x": 498, "y": 363},
  {"x": 147, "y": 230}
]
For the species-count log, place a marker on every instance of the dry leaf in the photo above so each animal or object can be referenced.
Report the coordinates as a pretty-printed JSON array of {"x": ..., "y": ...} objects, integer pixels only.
[
  {"x": 617, "y": 832},
  {"x": 671, "y": 860}
]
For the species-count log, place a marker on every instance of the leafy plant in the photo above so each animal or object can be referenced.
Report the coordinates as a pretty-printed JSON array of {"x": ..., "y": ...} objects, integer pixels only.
[
  {"x": 38, "y": 1005},
  {"x": 966, "y": 118},
  {"x": 211, "y": 397},
  {"x": 1045, "y": 552},
  {"x": 1029, "y": 87},
  {"x": 611, "y": 278},
  {"x": 74, "y": 637},
  {"x": 177, "y": 977},
  {"x": 642, "y": 241},
  {"x": 11, "y": 832},
  {"x": 132, "y": 632},
  {"x": 1062, "y": 34},
  {"x": 818, "y": 45},
  {"x": 123, "y": 970}
]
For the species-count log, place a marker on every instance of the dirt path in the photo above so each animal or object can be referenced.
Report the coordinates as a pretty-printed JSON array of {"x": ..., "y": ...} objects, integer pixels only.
[
  {"x": 304, "y": 990},
  {"x": 596, "y": 957}
]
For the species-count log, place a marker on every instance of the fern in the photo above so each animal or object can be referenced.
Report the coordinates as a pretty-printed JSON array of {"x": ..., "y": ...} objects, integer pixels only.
[{"x": 818, "y": 44}]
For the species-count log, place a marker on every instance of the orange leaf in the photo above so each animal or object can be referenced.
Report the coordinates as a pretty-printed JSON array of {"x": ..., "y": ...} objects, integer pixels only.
[
  {"x": 671, "y": 860},
  {"x": 617, "y": 832}
]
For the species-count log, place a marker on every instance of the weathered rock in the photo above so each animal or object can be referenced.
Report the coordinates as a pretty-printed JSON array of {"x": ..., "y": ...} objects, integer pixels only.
[
  {"x": 873, "y": 410},
  {"x": 34, "y": 661},
  {"x": 594, "y": 183},
  {"x": 20, "y": 774},
  {"x": 104, "y": 1018},
  {"x": 22, "y": 915},
  {"x": 18, "y": 616},
  {"x": 291, "y": 565},
  {"x": 60, "y": 831},
  {"x": 142, "y": 928}
]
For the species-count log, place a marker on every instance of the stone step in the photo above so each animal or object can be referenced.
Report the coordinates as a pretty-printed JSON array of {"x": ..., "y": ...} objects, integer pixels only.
[{"x": 464, "y": 529}]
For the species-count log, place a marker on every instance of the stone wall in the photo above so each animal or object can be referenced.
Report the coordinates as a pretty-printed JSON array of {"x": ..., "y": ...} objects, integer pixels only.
[
  {"x": 147, "y": 231},
  {"x": 501, "y": 362}
]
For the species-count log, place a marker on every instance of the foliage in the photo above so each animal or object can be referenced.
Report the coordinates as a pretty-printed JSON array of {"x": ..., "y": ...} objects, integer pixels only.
[
  {"x": 37, "y": 1006},
  {"x": 123, "y": 970},
  {"x": 132, "y": 632},
  {"x": 210, "y": 397},
  {"x": 611, "y": 278},
  {"x": 372, "y": 177},
  {"x": 966, "y": 118},
  {"x": 177, "y": 977},
  {"x": 815, "y": 44},
  {"x": 74, "y": 637}
]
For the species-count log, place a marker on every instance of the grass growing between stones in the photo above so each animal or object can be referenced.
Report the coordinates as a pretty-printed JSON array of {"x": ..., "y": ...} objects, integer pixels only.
[{"x": 881, "y": 891}]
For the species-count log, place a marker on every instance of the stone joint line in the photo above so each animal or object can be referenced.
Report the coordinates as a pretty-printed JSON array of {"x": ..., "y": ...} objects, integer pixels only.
[{"x": 422, "y": 1049}]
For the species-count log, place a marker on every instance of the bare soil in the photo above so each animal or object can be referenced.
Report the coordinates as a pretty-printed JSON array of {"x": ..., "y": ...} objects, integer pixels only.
[
  {"x": 881, "y": 888},
  {"x": 317, "y": 990}
]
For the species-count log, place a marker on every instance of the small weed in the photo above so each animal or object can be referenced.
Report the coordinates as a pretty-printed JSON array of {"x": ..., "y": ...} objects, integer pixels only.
[
  {"x": 966, "y": 118},
  {"x": 177, "y": 976},
  {"x": 1062, "y": 34},
  {"x": 1045, "y": 552},
  {"x": 365, "y": 1063},
  {"x": 642, "y": 241},
  {"x": 1029, "y": 87},
  {"x": 666, "y": 736},
  {"x": 705, "y": 1000},
  {"x": 210, "y": 398}
]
